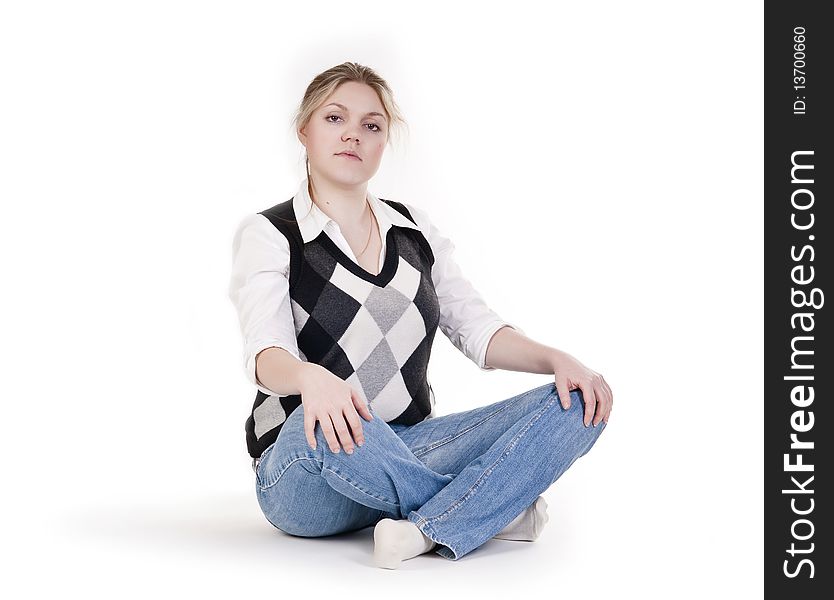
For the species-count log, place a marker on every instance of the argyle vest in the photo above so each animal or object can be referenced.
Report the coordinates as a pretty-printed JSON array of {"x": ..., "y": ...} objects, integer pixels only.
[{"x": 373, "y": 331}]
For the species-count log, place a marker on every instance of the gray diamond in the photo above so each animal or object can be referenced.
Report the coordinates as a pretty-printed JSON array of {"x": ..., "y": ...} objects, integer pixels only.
[
  {"x": 386, "y": 306},
  {"x": 377, "y": 370}
]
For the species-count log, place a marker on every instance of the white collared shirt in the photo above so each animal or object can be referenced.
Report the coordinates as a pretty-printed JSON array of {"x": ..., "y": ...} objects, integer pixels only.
[{"x": 259, "y": 285}]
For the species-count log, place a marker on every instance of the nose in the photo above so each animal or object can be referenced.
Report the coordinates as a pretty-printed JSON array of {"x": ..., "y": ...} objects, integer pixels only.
[{"x": 351, "y": 134}]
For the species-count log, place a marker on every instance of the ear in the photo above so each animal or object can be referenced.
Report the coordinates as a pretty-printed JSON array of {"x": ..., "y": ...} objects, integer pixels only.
[{"x": 302, "y": 137}]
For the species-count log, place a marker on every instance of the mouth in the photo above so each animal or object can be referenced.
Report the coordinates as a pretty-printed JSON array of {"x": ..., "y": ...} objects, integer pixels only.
[{"x": 349, "y": 155}]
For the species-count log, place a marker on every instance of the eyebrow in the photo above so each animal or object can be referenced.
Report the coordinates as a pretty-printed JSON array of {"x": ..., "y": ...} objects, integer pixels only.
[{"x": 345, "y": 108}]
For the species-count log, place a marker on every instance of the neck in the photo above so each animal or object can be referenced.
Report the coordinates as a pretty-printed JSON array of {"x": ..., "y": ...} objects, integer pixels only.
[{"x": 345, "y": 204}]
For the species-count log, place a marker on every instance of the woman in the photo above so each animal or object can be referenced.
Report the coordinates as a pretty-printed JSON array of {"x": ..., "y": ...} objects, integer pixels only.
[{"x": 339, "y": 295}]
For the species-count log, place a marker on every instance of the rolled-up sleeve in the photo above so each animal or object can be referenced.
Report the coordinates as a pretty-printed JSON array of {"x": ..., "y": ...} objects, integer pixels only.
[
  {"x": 465, "y": 318},
  {"x": 260, "y": 291}
]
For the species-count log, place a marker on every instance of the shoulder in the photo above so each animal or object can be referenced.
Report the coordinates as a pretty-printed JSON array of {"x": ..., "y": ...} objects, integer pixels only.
[
  {"x": 436, "y": 245},
  {"x": 272, "y": 220},
  {"x": 418, "y": 215},
  {"x": 256, "y": 229},
  {"x": 436, "y": 238},
  {"x": 256, "y": 223}
]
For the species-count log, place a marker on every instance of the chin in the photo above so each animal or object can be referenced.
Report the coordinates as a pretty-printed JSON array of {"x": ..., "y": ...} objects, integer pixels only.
[{"x": 348, "y": 177}]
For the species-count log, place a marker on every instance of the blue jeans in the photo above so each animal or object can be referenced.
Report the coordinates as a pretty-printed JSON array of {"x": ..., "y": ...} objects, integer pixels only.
[{"x": 460, "y": 478}]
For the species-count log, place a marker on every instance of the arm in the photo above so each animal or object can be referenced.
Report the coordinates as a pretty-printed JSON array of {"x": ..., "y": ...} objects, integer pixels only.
[
  {"x": 278, "y": 370},
  {"x": 465, "y": 318},
  {"x": 259, "y": 289},
  {"x": 514, "y": 351},
  {"x": 511, "y": 350},
  {"x": 493, "y": 343}
]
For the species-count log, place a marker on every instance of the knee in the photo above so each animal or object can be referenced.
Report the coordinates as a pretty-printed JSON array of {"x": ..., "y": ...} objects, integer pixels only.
[
  {"x": 371, "y": 432},
  {"x": 298, "y": 438},
  {"x": 576, "y": 418},
  {"x": 293, "y": 436}
]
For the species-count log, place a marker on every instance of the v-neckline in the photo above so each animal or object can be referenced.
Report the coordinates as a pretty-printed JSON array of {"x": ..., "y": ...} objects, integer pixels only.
[{"x": 389, "y": 265}]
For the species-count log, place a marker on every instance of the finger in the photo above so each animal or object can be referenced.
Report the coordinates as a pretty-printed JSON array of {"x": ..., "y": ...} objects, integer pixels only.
[
  {"x": 310, "y": 429},
  {"x": 343, "y": 432},
  {"x": 602, "y": 403},
  {"x": 361, "y": 406},
  {"x": 590, "y": 402},
  {"x": 610, "y": 399},
  {"x": 329, "y": 434},
  {"x": 355, "y": 424},
  {"x": 564, "y": 392}
]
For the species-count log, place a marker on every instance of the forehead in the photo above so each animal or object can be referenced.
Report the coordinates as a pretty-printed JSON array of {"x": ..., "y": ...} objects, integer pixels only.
[{"x": 354, "y": 97}]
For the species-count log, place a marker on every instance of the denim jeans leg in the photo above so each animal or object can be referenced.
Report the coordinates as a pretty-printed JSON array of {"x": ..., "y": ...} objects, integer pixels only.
[
  {"x": 314, "y": 492},
  {"x": 535, "y": 441},
  {"x": 301, "y": 503}
]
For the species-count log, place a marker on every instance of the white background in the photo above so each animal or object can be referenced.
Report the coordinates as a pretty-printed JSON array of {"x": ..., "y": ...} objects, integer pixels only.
[{"x": 599, "y": 168}]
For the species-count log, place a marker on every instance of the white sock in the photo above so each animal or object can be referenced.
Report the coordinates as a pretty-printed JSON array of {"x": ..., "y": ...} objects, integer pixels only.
[
  {"x": 527, "y": 526},
  {"x": 396, "y": 541}
]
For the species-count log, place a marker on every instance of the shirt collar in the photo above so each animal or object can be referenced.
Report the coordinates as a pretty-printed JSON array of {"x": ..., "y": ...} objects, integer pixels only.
[{"x": 311, "y": 222}]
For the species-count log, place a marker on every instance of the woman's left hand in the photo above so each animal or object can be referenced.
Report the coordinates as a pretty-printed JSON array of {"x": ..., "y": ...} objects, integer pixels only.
[{"x": 572, "y": 374}]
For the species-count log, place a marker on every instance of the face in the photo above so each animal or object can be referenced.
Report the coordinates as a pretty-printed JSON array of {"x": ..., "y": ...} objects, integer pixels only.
[{"x": 351, "y": 118}]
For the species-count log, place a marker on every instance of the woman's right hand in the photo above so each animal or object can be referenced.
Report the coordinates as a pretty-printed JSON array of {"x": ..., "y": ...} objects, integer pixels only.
[{"x": 332, "y": 402}]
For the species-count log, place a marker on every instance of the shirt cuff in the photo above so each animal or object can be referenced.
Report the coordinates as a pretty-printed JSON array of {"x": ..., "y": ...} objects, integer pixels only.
[{"x": 487, "y": 336}]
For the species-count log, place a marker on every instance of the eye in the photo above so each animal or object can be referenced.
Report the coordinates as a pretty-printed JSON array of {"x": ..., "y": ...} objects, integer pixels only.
[{"x": 373, "y": 126}]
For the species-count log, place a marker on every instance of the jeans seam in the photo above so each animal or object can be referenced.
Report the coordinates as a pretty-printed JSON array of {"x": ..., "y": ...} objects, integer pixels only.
[
  {"x": 424, "y": 526},
  {"x": 281, "y": 472},
  {"x": 427, "y": 521},
  {"x": 457, "y": 434},
  {"x": 359, "y": 489},
  {"x": 260, "y": 461}
]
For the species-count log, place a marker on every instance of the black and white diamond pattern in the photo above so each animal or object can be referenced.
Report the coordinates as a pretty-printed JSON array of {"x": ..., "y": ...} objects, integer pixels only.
[
  {"x": 377, "y": 329},
  {"x": 375, "y": 332}
]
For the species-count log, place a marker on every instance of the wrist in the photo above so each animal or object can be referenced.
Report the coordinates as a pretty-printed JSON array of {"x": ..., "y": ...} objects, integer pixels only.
[
  {"x": 307, "y": 372},
  {"x": 555, "y": 358}
]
